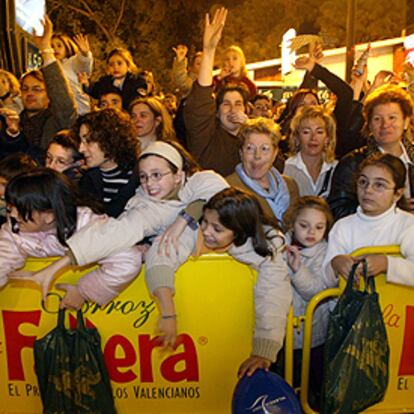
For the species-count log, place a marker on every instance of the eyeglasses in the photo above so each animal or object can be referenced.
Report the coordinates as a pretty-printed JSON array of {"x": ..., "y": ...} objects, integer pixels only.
[
  {"x": 58, "y": 161},
  {"x": 155, "y": 176},
  {"x": 35, "y": 89},
  {"x": 377, "y": 186},
  {"x": 252, "y": 149}
]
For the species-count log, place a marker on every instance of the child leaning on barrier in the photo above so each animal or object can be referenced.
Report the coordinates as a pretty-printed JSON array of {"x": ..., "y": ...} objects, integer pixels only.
[
  {"x": 233, "y": 222},
  {"x": 171, "y": 193},
  {"x": 44, "y": 209},
  {"x": 308, "y": 222},
  {"x": 378, "y": 221}
]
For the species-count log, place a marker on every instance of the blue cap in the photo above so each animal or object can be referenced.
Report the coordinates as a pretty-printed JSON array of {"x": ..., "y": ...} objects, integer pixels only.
[{"x": 264, "y": 393}]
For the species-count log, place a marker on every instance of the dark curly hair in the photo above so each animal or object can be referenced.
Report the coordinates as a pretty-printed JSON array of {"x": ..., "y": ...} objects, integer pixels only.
[{"x": 115, "y": 134}]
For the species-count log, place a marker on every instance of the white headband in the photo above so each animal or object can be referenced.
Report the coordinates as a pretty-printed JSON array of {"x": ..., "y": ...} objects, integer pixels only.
[{"x": 166, "y": 151}]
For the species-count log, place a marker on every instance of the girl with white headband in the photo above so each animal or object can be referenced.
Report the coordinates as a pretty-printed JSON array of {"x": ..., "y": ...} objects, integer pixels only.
[{"x": 171, "y": 186}]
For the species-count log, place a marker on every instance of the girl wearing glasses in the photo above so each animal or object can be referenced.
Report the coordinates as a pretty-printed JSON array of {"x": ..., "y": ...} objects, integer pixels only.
[
  {"x": 259, "y": 139},
  {"x": 379, "y": 221},
  {"x": 171, "y": 186}
]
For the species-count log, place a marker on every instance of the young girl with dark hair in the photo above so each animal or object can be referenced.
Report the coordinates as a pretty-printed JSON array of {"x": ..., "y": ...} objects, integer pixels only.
[
  {"x": 232, "y": 222},
  {"x": 44, "y": 211},
  {"x": 378, "y": 222},
  {"x": 122, "y": 73}
]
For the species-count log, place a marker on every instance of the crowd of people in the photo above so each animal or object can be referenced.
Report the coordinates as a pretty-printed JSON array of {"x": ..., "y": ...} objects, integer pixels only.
[{"x": 117, "y": 173}]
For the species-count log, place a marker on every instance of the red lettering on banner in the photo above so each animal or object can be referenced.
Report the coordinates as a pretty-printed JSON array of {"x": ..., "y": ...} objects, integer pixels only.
[
  {"x": 113, "y": 362},
  {"x": 146, "y": 346},
  {"x": 391, "y": 319},
  {"x": 189, "y": 356},
  {"x": 16, "y": 342},
  {"x": 407, "y": 354}
]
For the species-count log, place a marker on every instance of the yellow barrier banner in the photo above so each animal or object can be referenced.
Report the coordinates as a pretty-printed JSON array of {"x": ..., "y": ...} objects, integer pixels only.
[{"x": 214, "y": 301}]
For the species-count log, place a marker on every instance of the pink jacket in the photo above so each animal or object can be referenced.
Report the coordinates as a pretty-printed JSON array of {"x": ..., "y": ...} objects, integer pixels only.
[{"x": 100, "y": 286}]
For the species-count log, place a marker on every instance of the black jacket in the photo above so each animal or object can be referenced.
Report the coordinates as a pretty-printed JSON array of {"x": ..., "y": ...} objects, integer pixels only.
[{"x": 133, "y": 87}]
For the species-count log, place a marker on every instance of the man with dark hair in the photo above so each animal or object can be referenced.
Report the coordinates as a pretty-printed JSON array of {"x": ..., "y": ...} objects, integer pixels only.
[{"x": 48, "y": 102}]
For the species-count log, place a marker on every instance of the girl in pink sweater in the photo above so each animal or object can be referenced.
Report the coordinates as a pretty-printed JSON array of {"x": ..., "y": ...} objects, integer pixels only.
[{"x": 44, "y": 210}]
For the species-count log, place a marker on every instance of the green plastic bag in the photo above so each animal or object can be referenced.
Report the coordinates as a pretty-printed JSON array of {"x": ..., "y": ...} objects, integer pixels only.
[
  {"x": 71, "y": 370},
  {"x": 356, "y": 351}
]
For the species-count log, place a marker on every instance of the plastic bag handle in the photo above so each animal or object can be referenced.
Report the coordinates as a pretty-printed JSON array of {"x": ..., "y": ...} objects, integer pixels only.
[
  {"x": 80, "y": 322},
  {"x": 61, "y": 319},
  {"x": 368, "y": 280}
]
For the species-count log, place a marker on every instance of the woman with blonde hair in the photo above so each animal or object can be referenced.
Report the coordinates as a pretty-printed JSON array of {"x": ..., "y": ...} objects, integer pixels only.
[{"x": 312, "y": 144}]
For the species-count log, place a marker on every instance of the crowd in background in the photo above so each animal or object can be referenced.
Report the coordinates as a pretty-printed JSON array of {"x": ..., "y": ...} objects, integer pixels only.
[{"x": 290, "y": 188}]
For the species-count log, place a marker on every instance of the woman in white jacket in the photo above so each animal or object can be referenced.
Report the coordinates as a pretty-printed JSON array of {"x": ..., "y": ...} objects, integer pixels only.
[{"x": 233, "y": 222}]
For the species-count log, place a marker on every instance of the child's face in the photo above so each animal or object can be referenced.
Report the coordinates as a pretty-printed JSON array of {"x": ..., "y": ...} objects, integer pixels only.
[
  {"x": 233, "y": 62},
  {"x": 309, "y": 227},
  {"x": 376, "y": 190},
  {"x": 41, "y": 221},
  {"x": 59, "y": 48},
  {"x": 216, "y": 236},
  {"x": 157, "y": 178},
  {"x": 3, "y": 183},
  {"x": 4, "y": 85},
  {"x": 313, "y": 138},
  {"x": 58, "y": 158},
  {"x": 117, "y": 67}
]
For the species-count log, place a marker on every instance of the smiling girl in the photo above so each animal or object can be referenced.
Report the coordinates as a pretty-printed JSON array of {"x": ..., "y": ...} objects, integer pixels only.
[
  {"x": 171, "y": 186},
  {"x": 377, "y": 222}
]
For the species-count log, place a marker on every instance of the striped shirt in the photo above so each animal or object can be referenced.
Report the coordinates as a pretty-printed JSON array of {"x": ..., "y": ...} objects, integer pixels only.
[{"x": 113, "y": 181}]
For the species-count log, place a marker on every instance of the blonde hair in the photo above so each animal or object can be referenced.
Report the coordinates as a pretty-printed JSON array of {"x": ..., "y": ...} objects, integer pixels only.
[
  {"x": 239, "y": 51},
  {"x": 312, "y": 112},
  {"x": 126, "y": 55},
  {"x": 14, "y": 84},
  {"x": 260, "y": 125}
]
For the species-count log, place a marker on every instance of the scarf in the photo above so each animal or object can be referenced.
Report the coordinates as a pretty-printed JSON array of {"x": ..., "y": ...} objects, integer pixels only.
[{"x": 277, "y": 197}]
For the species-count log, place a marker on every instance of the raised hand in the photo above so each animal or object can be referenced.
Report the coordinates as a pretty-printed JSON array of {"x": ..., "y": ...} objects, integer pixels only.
[
  {"x": 45, "y": 41},
  {"x": 214, "y": 29},
  {"x": 293, "y": 257},
  {"x": 180, "y": 52},
  {"x": 83, "y": 43}
]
